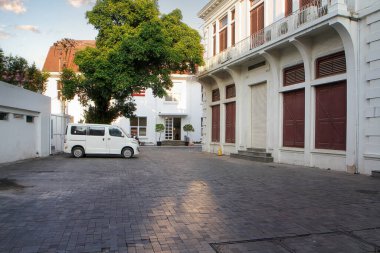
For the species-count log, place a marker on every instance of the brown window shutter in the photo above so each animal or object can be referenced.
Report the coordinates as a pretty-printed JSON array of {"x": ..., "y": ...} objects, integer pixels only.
[
  {"x": 215, "y": 131},
  {"x": 233, "y": 34},
  {"x": 260, "y": 17},
  {"x": 230, "y": 91},
  {"x": 331, "y": 116},
  {"x": 215, "y": 95},
  {"x": 306, "y": 3},
  {"x": 331, "y": 65},
  {"x": 253, "y": 21},
  {"x": 288, "y": 7},
  {"x": 223, "y": 40},
  {"x": 294, "y": 74},
  {"x": 214, "y": 45},
  {"x": 294, "y": 119}
]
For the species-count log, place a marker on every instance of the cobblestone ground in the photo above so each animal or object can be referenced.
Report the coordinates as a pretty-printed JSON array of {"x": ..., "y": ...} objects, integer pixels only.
[{"x": 182, "y": 200}]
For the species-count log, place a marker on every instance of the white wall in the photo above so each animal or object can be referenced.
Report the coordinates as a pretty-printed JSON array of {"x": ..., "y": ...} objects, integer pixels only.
[
  {"x": 188, "y": 108},
  {"x": 369, "y": 82},
  {"x": 72, "y": 107},
  {"x": 20, "y": 139},
  {"x": 361, "y": 41}
]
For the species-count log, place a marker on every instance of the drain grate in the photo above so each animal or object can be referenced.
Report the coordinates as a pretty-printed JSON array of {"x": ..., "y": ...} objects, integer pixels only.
[
  {"x": 334, "y": 242},
  {"x": 9, "y": 184}
]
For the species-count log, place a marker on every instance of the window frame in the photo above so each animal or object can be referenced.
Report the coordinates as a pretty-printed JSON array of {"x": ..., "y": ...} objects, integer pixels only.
[
  {"x": 139, "y": 126},
  {"x": 73, "y": 133},
  {"x": 233, "y": 27},
  {"x": 96, "y": 129},
  {"x": 29, "y": 119},
  {"x": 230, "y": 91},
  {"x": 331, "y": 121},
  {"x": 4, "y": 116},
  {"x": 293, "y": 70},
  {"x": 115, "y": 128},
  {"x": 295, "y": 121},
  {"x": 332, "y": 59},
  {"x": 215, "y": 95},
  {"x": 215, "y": 123}
]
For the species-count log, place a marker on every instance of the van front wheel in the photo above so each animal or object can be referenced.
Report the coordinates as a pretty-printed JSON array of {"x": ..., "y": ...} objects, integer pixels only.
[
  {"x": 127, "y": 152},
  {"x": 77, "y": 152}
]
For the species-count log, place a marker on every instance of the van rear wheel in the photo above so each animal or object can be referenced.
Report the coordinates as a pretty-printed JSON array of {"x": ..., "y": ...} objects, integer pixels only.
[
  {"x": 127, "y": 152},
  {"x": 77, "y": 152}
]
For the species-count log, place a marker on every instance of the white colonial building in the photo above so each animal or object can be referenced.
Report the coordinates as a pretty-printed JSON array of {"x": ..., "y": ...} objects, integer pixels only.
[
  {"x": 182, "y": 105},
  {"x": 294, "y": 81}
]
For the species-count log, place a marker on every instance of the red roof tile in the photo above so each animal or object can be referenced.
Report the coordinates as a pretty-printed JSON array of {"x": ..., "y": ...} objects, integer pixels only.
[{"x": 56, "y": 59}]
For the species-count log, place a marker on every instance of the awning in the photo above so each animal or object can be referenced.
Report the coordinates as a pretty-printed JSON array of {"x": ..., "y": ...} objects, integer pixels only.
[{"x": 172, "y": 114}]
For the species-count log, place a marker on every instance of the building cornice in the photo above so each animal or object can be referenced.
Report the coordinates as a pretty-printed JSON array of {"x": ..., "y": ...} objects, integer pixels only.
[{"x": 208, "y": 8}]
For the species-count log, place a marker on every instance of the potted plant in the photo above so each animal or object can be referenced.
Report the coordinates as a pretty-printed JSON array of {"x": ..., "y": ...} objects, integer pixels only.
[
  {"x": 159, "y": 129},
  {"x": 188, "y": 128}
]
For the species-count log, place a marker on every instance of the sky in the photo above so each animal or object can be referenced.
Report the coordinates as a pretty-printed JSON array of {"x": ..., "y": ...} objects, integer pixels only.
[{"x": 29, "y": 27}]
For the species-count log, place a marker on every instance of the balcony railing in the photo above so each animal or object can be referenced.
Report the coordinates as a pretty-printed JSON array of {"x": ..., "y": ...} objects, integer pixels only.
[{"x": 314, "y": 10}]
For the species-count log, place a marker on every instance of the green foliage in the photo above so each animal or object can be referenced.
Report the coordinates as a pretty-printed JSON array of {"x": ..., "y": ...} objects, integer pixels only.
[
  {"x": 188, "y": 128},
  {"x": 15, "y": 70},
  {"x": 159, "y": 129},
  {"x": 136, "y": 49}
]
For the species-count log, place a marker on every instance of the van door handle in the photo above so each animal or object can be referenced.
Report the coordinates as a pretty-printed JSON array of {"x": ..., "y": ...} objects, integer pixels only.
[
  {"x": 103, "y": 139},
  {"x": 109, "y": 139}
]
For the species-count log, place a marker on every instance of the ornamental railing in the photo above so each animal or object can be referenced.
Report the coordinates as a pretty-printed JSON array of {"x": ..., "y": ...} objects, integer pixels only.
[{"x": 288, "y": 25}]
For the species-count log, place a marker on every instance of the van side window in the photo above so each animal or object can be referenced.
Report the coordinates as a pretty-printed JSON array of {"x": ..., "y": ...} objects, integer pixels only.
[
  {"x": 78, "y": 130},
  {"x": 115, "y": 132},
  {"x": 96, "y": 131}
]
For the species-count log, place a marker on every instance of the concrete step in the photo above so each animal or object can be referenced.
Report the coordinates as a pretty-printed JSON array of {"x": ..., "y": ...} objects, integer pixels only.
[
  {"x": 254, "y": 153},
  {"x": 252, "y": 158},
  {"x": 173, "y": 143},
  {"x": 376, "y": 173},
  {"x": 257, "y": 149}
]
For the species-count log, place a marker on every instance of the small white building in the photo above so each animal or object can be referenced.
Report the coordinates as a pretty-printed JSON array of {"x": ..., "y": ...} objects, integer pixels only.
[
  {"x": 296, "y": 79},
  {"x": 182, "y": 106},
  {"x": 24, "y": 124}
]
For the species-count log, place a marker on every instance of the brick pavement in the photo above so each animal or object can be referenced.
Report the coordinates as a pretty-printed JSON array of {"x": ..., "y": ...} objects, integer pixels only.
[{"x": 182, "y": 200}]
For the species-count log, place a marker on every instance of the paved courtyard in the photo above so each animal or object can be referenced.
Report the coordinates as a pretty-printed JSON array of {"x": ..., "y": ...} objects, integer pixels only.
[{"x": 182, "y": 200}]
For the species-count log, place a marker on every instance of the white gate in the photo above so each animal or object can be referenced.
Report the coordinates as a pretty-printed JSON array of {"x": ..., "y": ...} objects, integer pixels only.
[{"x": 58, "y": 129}]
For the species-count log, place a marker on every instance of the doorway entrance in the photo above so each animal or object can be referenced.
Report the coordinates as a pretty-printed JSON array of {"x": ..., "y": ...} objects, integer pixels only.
[
  {"x": 173, "y": 129},
  {"x": 259, "y": 115}
]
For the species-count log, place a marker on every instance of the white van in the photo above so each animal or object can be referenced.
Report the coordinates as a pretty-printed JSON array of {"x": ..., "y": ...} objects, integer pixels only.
[{"x": 81, "y": 139}]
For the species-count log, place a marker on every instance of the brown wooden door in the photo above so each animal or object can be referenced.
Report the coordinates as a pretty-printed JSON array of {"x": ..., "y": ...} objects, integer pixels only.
[
  {"x": 294, "y": 119},
  {"x": 331, "y": 116},
  {"x": 230, "y": 122},
  {"x": 257, "y": 19},
  {"x": 288, "y": 7},
  {"x": 259, "y": 116},
  {"x": 223, "y": 40},
  {"x": 215, "y": 131}
]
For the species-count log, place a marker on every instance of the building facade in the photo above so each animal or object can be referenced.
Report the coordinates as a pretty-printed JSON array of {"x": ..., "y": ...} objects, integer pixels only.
[
  {"x": 296, "y": 78},
  {"x": 24, "y": 124},
  {"x": 181, "y": 106}
]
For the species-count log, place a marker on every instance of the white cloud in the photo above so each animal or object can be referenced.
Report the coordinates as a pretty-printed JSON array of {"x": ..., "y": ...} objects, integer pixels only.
[
  {"x": 16, "y": 6},
  {"x": 31, "y": 28},
  {"x": 4, "y": 35},
  {"x": 79, "y": 3}
]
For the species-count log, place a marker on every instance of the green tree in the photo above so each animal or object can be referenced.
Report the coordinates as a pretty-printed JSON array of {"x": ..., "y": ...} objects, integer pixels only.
[
  {"x": 2, "y": 62},
  {"x": 15, "y": 70},
  {"x": 136, "y": 48}
]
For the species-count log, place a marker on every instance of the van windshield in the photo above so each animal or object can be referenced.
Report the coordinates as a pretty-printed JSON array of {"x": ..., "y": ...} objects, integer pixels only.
[{"x": 125, "y": 133}]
